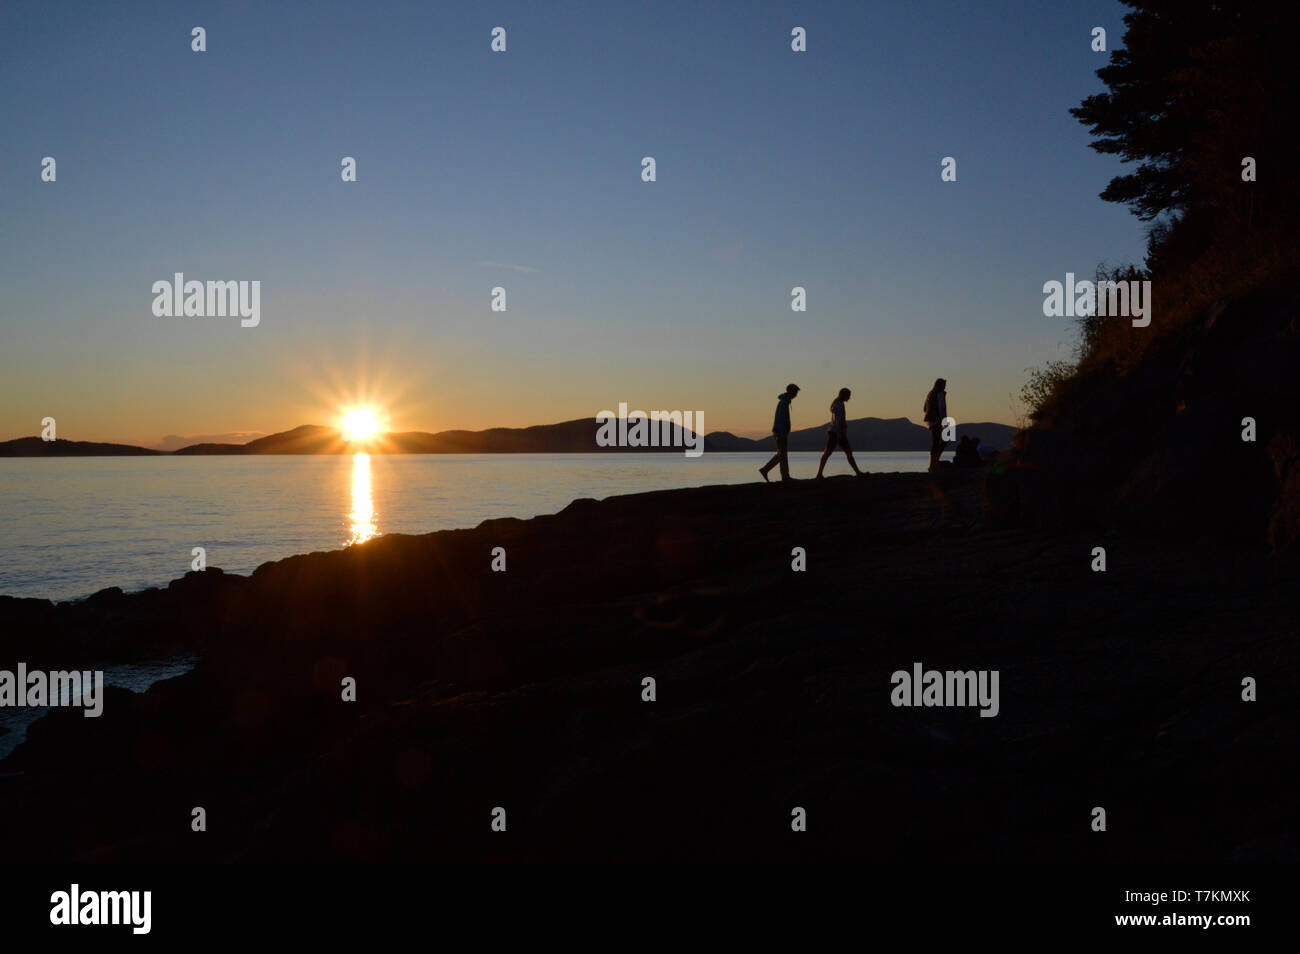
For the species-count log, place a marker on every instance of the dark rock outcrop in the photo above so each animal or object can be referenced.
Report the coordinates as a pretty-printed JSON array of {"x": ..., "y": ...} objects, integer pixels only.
[
  {"x": 523, "y": 689},
  {"x": 1160, "y": 448}
]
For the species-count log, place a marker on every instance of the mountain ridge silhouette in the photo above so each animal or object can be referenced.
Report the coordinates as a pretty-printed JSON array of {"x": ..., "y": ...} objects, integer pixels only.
[{"x": 576, "y": 436}]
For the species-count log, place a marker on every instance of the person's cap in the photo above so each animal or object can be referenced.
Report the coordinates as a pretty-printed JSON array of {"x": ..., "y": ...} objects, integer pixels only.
[{"x": 792, "y": 387}]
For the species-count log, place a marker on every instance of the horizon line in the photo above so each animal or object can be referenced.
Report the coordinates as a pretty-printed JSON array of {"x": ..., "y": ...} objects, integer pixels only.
[{"x": 752, "y": 433}]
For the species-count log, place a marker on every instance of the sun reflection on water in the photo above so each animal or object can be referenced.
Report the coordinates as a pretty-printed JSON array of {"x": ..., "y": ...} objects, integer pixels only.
[{"x": 363, "y": 523}]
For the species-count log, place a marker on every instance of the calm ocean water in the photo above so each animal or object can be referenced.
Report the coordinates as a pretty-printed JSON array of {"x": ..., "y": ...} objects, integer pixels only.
[{"x": 71, "y": 526}]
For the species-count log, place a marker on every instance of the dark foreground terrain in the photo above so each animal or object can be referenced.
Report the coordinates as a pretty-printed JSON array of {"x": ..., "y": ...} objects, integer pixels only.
[{"x": 523, "y": 689}]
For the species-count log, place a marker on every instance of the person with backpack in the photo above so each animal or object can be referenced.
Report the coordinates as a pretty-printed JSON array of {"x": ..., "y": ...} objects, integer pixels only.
[{"x": 936, "y": 410}]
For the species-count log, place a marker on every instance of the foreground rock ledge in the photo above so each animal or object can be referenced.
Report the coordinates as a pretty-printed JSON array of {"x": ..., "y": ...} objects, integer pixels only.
[{"x": 522, "y": 689}]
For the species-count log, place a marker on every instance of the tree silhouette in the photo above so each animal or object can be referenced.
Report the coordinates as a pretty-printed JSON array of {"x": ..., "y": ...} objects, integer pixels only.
[{"x": 1198, "y": 87}]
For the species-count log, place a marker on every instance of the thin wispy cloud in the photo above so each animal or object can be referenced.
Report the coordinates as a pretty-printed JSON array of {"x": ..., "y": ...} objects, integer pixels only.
[
  {"x": 728, "y": 254},
  {"x": 526, "y": 269}
]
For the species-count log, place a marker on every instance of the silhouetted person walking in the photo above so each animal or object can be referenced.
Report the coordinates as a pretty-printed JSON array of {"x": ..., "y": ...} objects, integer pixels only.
[
  {"x": 838, "y": 433},
  {"x": 936, "y": 409},
  {"x": 781, "y": 431}
]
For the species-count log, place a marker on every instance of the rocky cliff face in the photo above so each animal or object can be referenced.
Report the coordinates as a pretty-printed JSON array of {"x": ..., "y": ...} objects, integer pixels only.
[{"x": 1164, "y": 447}]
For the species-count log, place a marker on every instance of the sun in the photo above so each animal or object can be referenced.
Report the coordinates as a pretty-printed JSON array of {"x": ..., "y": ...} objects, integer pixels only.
[{"x": 360, "y": 424}]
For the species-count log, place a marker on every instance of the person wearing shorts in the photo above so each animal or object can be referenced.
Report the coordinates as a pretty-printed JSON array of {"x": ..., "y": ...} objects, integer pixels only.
[{"x": 837, "y": 435}]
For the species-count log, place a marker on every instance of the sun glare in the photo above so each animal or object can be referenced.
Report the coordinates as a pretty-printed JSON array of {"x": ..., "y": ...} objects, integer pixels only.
[{"x": 360, "y": 424}]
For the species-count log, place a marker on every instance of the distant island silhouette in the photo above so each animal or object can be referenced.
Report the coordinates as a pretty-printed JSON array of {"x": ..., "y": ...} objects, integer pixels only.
[{"x": 569, "y": 437}]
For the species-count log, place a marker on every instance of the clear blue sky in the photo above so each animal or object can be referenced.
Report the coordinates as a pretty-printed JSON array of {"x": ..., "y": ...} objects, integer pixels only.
[{"x": 775, "y": 169}]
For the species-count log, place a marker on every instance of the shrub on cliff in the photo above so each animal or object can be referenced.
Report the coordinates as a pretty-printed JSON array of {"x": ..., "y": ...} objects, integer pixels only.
[{"x": 1149, "y": 429}]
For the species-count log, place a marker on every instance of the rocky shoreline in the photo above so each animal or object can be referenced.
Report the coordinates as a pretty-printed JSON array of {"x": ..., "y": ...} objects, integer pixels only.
[{"x": 523, "y": 689}]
